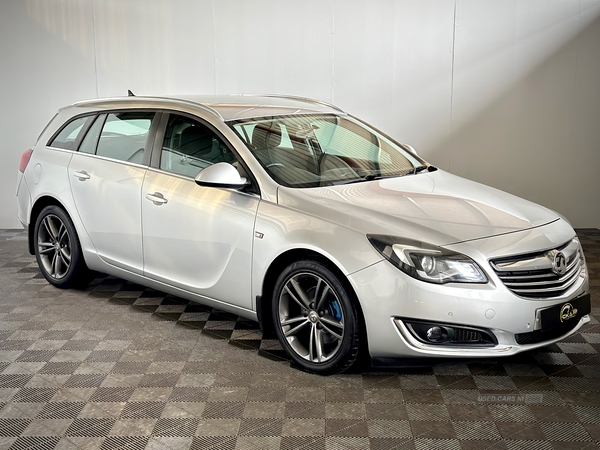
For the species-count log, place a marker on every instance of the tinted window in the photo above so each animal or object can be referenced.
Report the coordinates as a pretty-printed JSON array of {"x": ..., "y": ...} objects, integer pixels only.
[
  {"x": 67, "y": 138},
  {"x": 88, "y": 145},
  {"x": 125, "y": 135},
  {"x": 189, "y": 147}
]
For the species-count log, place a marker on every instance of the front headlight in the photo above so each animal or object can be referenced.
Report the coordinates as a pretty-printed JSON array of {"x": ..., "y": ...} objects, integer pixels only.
[{"x": 428, "y": 262}]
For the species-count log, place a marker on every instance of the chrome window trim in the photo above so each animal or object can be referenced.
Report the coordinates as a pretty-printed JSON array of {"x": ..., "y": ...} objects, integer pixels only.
[
  {"x": 62, "y": 149},
  {"x": 105, "y": 158}
]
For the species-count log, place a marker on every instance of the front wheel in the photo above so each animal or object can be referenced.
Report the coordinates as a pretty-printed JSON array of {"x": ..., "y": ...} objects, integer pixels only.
[
  {"x": 57, "y": 249},
  {"x": 315, "y": 318}
]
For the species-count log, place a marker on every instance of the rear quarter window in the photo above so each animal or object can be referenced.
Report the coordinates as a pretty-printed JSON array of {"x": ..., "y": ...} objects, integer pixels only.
[{"x": 71, "y": 134}]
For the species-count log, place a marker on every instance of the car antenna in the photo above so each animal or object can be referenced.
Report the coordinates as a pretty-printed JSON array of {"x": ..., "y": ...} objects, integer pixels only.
[{"x": 130, "y": 94}]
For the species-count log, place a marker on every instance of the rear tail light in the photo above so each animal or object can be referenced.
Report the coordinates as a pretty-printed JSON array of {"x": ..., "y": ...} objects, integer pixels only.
[{"x": 25, "y": 157}]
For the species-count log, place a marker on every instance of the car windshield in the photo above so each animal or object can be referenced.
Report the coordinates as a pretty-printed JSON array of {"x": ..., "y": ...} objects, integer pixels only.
[{"x": 312, "y": 150}]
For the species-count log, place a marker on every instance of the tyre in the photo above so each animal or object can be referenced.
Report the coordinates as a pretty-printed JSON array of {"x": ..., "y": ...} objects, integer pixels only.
[
  {"x": 57, "y": 249},
  {"x": 315, "y": 319}
]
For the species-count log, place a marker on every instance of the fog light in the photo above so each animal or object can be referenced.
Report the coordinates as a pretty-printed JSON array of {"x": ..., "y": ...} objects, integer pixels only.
[
  {"x": 436, "y": 334},
  {"x": 443, "y": 334}
]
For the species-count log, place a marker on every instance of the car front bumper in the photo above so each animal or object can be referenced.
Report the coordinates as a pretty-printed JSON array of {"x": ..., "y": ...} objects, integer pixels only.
[{"x": 389, "y": 299}]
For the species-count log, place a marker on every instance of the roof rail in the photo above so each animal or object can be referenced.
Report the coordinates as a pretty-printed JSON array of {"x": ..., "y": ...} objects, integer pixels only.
[
  {"x": 99, "y": 101},
  {"x": 300, "y": 99},
  {"x": 214, "y": 112}
]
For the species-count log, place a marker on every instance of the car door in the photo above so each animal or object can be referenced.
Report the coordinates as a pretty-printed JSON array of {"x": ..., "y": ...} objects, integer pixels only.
[
  {"x": 106, "y": 176},
  {"x": 196, "y": 238}
]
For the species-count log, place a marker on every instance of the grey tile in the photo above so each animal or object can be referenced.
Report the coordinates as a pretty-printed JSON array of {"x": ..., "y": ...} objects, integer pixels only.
[
  {"x": 142, "y": 410},
  {"x": 573, "y": 432},
  {"x": 427, "y": 412},
  {"x": 47, "y": 427},
  {"x": 389, "y": 429},
  {"x": 476, "y": 431},
  {"x": 90, "y": 427},
  {"x": 60, "y": 410},
  {"x": 11, "y": 427},
  {"x": 102, "y": 410},
  {"x": 33, "y": 442},
  {"x": 183, "y": 409},
  {"x": 20, "y": 410},
  {"x": 177, "y": 427},
  {"x": 264, "y": 410}
]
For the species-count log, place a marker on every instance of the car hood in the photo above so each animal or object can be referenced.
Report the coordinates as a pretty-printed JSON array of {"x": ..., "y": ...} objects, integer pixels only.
[{"x": 436, "y": 207}]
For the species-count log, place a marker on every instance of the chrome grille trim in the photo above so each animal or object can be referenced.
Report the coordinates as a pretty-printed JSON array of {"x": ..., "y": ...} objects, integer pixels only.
[
  {"x": 570, "y": 271},
  {"x": 533, "y": 276},
  {"x": 523, "y": 291}
]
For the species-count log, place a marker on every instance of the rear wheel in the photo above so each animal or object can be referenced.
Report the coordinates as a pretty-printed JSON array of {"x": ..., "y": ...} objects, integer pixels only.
[
  {"x": 58, "y": 251},
  {"x": 315, "y": 318}
]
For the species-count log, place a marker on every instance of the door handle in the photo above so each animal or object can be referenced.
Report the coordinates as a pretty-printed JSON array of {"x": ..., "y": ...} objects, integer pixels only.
[
  {"x": 157, "y": 198},
  {"x": 82, "y": 175}
]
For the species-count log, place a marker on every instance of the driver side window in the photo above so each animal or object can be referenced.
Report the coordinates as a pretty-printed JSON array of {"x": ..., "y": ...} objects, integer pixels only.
[{"x": 189, "y": 146}]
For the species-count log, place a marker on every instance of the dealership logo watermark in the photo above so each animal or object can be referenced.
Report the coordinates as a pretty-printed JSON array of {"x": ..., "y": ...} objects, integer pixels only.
[{"x": 510, "y": 398}]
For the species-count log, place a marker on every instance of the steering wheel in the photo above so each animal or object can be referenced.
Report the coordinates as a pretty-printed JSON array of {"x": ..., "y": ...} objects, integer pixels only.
[{"x": 274, "y": 165}]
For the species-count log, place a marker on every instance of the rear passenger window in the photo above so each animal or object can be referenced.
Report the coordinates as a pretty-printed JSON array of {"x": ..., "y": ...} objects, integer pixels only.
[
  {"x": 69, "y": 135},
  {"x": 125, "y": 135}
]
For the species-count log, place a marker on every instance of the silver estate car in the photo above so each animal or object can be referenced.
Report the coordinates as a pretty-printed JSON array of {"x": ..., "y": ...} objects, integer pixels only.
[{"x": 293, "y": 213}]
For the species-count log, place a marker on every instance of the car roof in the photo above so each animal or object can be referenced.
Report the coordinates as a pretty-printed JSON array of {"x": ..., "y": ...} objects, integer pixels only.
[{"x": 226, "y": 107}]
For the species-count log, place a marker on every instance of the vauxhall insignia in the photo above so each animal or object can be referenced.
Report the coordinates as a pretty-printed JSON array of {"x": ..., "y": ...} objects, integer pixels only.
[
  {"x": 321, "y": 275},
  {"x": 559, "y": 264}
]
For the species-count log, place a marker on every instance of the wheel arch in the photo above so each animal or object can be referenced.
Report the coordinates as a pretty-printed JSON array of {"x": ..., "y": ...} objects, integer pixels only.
[
  {"x": 263, "y": 302},
  {"x": 37, "y": 208}
]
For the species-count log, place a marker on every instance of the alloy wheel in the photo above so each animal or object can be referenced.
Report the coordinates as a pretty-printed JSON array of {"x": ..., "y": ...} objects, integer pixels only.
[
  {"x": 54, "y": 246},
  {"x": 311, "y": 317}
]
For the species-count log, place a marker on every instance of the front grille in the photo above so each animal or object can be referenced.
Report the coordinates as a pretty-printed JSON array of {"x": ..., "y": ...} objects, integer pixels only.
[
  {"x": 534, "y": 275},
  {"x": 534, "y": 337}
]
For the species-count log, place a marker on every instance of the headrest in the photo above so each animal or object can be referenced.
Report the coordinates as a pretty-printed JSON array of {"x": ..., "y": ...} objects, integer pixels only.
[
  {"x": 266, "y": 136},
  {"x": 193, "y": 135}
]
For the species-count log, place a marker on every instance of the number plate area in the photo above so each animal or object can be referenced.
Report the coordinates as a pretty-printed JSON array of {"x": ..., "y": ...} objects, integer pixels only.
[{"x": 563, "y": 313}]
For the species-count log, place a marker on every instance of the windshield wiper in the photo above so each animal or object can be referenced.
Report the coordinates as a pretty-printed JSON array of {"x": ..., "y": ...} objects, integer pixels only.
[
  {"x": 421, "y": 168},
  {"x": 369, "y": 177},
  {"x": 373, "y": 176}
]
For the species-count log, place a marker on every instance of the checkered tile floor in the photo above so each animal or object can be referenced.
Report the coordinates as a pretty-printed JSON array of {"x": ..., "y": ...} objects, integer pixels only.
[{"x": 122, "y": 366}]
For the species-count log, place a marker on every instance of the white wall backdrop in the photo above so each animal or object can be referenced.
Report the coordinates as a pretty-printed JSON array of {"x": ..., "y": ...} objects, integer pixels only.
[{"x": 503, "y": 92}]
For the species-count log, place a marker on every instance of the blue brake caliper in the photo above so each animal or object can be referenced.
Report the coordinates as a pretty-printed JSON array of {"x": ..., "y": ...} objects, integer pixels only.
[{"x": 335, "y": 310}]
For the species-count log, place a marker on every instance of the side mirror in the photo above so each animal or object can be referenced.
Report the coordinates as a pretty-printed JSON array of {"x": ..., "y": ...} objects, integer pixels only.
[
  {"x": 221, "y": 175},
  {"x": 411, "y": 149}
]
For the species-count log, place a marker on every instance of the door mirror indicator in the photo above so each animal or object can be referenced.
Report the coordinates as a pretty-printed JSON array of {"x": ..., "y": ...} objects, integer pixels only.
[{"x": 221, "y": 175}]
